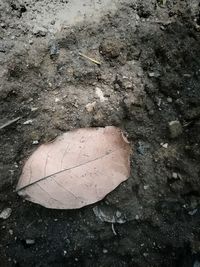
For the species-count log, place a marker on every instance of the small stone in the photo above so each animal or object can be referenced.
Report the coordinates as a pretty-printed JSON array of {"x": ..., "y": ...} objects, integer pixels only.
[
  {"x": 30, "y": 242},
  {"x": 192, "y": 212},
  {"x": 54, "y": 48},
  {"x": 28, "y": 122},
  {"x": 35, "y": 142},
  {"x": 117, "y": 87},
  {"x": 175, "y": 129},
  {"x": 175, "y": 175},
  {"x": 10, "y": 232},
  {"x": 53, "y": 22},
  {"x": 146, "y": 187},
  {"x": 3, "y": 25},
  {"x": 34, "y": 109},
  {"x": 151, "y": 112},
  {"x": 127, "y": 84},
  {"x": 169, "y": 100},
  {"x": 40, "y": 32},
  {"x": 100, "y": 94},
  {"x": 5, "y": 214},
  {"x": 30, "y": 42},
  {"x": 57, "y": 100},
  {"x": 164, "y": 145},
  {"x": 90, "y": 106},
  {"x": 137, "y": 217},
  {"x": 118, "y": 214},
  {"x": 105, "y": 251},
  {"x": 154, "y": 74}
]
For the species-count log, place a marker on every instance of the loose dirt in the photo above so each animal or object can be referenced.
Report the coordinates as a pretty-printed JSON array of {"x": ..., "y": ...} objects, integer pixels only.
[{"x": 148, "y": 77}]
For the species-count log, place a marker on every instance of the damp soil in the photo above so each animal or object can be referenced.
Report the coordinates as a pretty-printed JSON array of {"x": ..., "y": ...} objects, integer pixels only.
[{"x": 148, "y": 77}]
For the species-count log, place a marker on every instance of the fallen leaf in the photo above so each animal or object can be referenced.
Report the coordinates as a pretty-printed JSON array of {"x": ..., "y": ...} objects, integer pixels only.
[{"x": 79, "y": 168}]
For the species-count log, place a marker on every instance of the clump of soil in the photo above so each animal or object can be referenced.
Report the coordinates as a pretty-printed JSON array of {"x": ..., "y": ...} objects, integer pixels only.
[{"x": 148, "y": 77}]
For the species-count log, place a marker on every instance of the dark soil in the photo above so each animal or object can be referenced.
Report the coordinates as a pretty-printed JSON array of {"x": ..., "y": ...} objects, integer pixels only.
[{"x": 150, "y": 76}]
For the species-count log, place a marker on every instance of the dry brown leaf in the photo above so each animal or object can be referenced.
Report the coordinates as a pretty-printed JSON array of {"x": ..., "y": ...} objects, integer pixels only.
[{"x": 79, "y": 168}]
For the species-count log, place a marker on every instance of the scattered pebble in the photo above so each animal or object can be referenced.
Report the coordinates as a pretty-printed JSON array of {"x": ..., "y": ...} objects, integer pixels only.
[
  {"x": 57, "y": 100},
  {"x": 154, "y": 74},
  {"x": 90, "y": 107},
  {"x": 118, "y": 214},
  {"x": 164, "y": 145},
  {"x": 40, "y": 31},
  {"x": 3, "y": 25},
  {"x": 30, "y": 242},
  {"x": 146, "y": 187},
  {"x": 54, "y": 48},
  {"x": 137, "y": 217},
  {"x": 100, "y": 94},
  {"x": 28, "y": 122},
  {"x": 175, "y": 129},
  {"x": 10, "y": 232},
  {"x": 192, "y": 212},
  {"x": 169, "y": 100},
  {"x": 175, "y": 175},
  {"x": 35, "y": 142},
  {"x": 105, "y": 251},
  {"x": 34, "y": 109},
  {"x": 5, "y": 214},
  {"x": 30, "y": 42}
]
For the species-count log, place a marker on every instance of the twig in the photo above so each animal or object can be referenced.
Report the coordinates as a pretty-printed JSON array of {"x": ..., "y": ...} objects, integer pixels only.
[
  {"x": 9, "y": 123},
  {"x": 113, "y": 229},
  {"x": 91, "y": 59}
]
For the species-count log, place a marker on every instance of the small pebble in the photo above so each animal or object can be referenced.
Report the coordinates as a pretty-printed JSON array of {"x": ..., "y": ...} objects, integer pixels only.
[
  {"x": 3, "y": 25},
  {"x": 118, "y": 214},
  {"x": 5, "y": 214},
  {"x": 34, "y": 109},
  {"x": 175, "y": 129},
  {"x": 137, "y": 217},
  {"x": 30, "y": 242},
  {"x": 164, "y": 145},
  {"x": 192, "y": 212},
  {"x": 175, "y": 175},
  {"x": 35, "y": 142},
  {"x": 28, "y": 122},
  {"x": 57, "y": 100},
  {"x": 30, "y": 42},
  {"x": 146, "y": 187},
  {"x": 10, "y": 232},
  {"x": 154, "y": 74},
  {"x": 105, "y": 251},
  {"x": 90, "y": 107},
  {"x": 169, "y": 100}
]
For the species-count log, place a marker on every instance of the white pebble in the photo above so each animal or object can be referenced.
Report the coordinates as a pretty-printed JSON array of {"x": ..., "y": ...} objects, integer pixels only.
[{"x": 5, "y": 214}]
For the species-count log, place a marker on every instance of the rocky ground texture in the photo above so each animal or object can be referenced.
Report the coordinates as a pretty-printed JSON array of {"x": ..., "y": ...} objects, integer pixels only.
[{"x": 147, "y": 84}]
